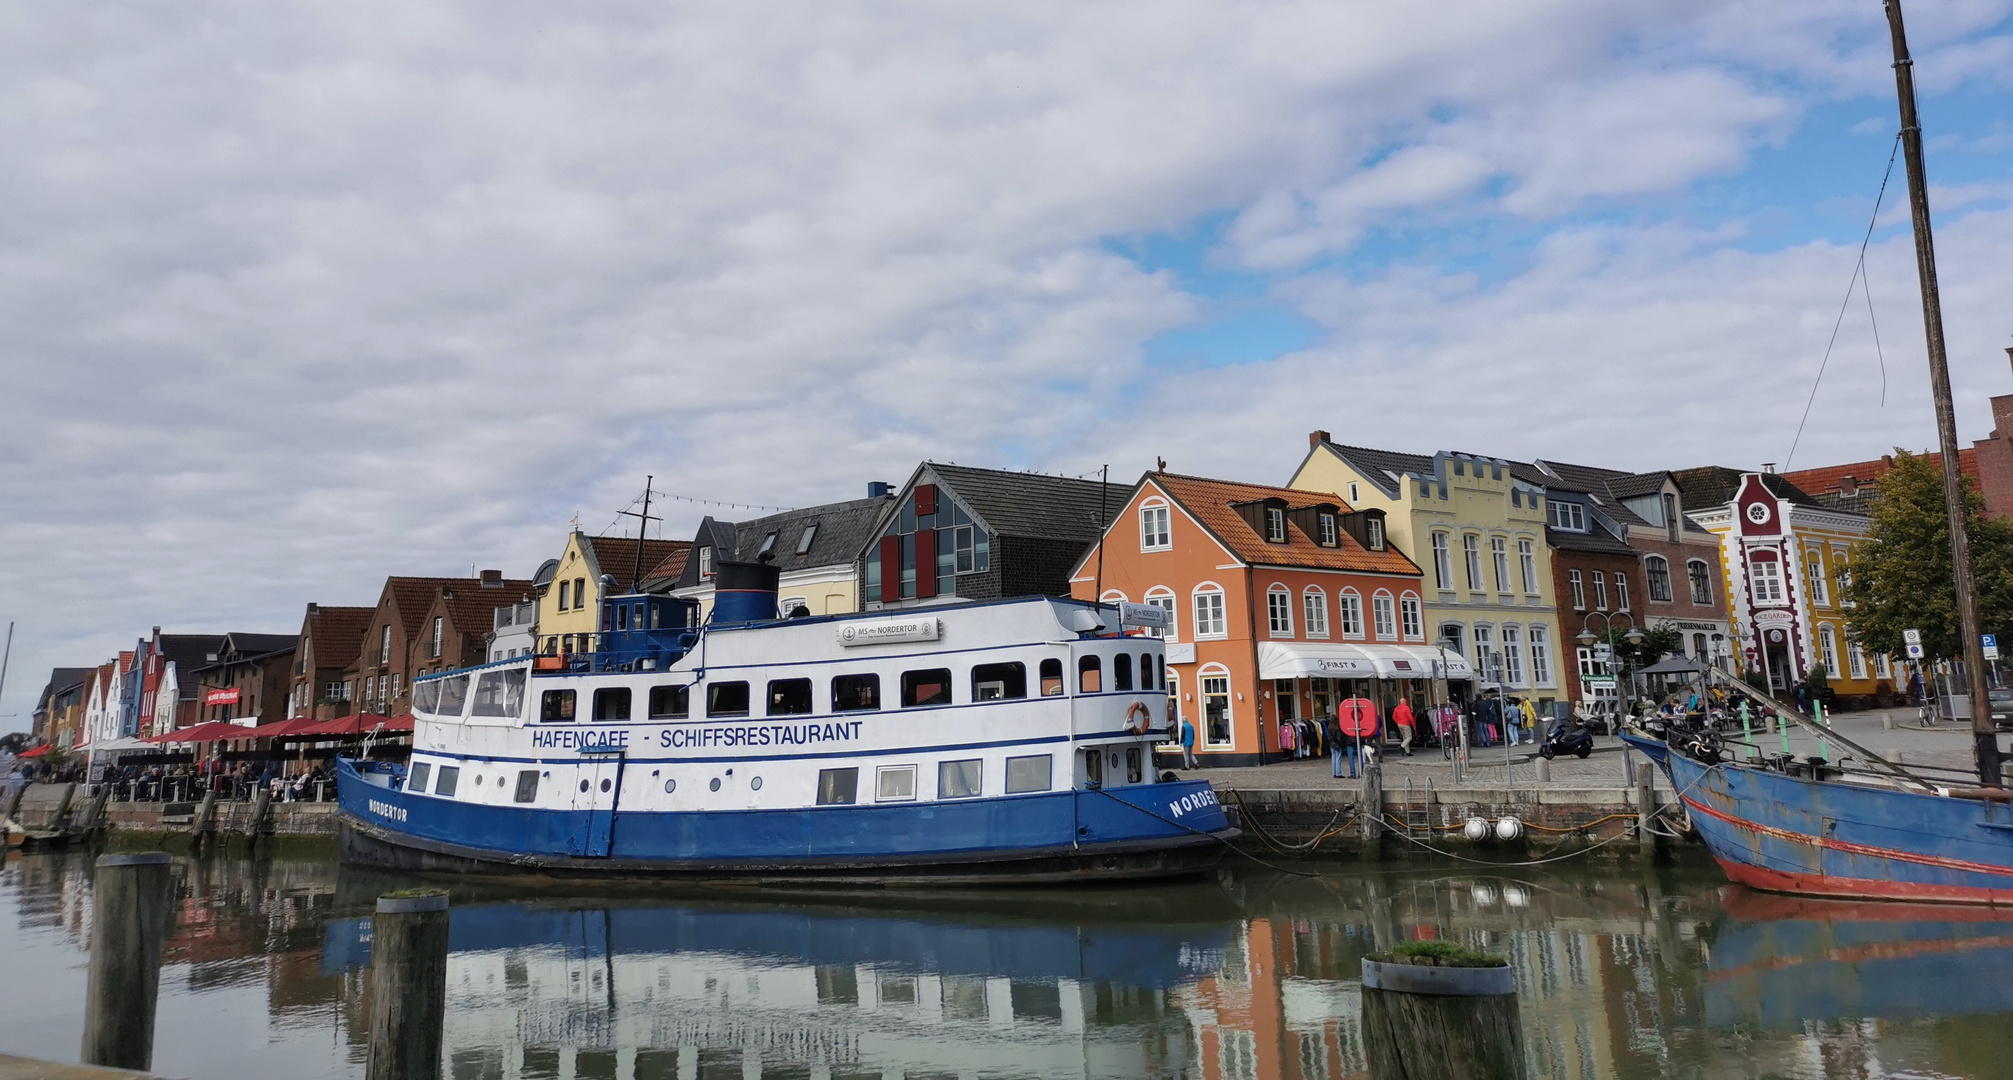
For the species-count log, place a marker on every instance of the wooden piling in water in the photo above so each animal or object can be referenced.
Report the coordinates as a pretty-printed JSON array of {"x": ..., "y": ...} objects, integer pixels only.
[
  {"x": 132, "y": 904},
  {"x": 1645, "y": 805},
  {"x": 1370, "y": 815},
  {"x": 408, "y": 987},
  {"x": 14, "y": 797},
  {"x": 262, "y": 804},
  {"x": 59, "y": 818},
  {"x": 205, "y": 820},
  {"x": 1438, "y": 1023}
]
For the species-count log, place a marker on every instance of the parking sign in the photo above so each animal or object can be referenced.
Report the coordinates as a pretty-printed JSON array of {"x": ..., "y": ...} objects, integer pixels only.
[{"x": 1991, "y": 646}]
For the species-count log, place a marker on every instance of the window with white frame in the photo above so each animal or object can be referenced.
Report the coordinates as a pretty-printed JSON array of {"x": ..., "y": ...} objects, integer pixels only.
[
  {"x": 1485, "y": 651},
  {"x": 1314, "y": 612},
  {"x": 1701, "y": 581},
  {"x": 1275, "y": 525},
  {"x": 1513, "y": 654},
  {"x": 1766, "y": 574},
  {"x": 1373, "y": 532},
  {"x": 1330, "y": 536},
  {"x": 1657, "y": 571},
  {"x": 1154, "y": 533},
  {"x": 1621, "y": 591},
  {"x": 1499, "y": 553},
  {"x": 439, "y": 631},
  {"x": 1471, "y": 552},
  {"x": 1349, "y": 610},
  {"x": 1213, "y": 691},
  {"x": 1384, "y": 610},
  {"x": 1579, "y": 584},
  {"x": 1600, "y": 590},
  {"x": 1570, "y": 516},
  {"x": 1443, "y": 562},
  {"x": 1162, "y": 598},
  {"x": 1209, "y": 612},
  {"x": 1279, "y": 611},
  {"x": 1527, "y": 557},
  {"x": 1841, "y": 571},
  {"x": 1411, "y": 618},
  {"x": 1353, "y": 496},
  {"x": 1541, "y": 656},
  {"x": 1827, "y": 648},
  {"x": 1856, "y": 656},
  {"x": 1883, "y": 667},
  {"x": 1814, "y": 567}
]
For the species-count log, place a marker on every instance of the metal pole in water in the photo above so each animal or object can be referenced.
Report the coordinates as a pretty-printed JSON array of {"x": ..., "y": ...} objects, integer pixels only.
[
  {"x": 132, "y": 901},
  {"x": 408, "y": 987},
  {"x": 1747, "y": 731}
]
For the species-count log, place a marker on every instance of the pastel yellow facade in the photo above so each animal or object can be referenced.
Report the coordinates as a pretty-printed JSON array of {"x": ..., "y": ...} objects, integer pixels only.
[{"x": 1479, "y": 533}]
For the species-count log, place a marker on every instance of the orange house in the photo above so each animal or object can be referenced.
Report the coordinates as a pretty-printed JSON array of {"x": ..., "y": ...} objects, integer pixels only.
[{"x": 1282, "y": 603}]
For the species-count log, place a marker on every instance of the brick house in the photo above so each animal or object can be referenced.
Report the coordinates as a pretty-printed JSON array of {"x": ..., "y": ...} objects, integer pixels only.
[
  {"x": 397, "y": 642},
  {"x": 331, "y": 639},
  {"x": 1283, "y": 603},
  {"x": 981, "y": 534},
  {"x": 455, "y": 629},
  {"x": 249, "y": 681}
]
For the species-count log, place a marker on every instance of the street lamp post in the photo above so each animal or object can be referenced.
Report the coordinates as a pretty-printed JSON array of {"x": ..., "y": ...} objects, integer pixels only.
[{"x": 1587, "y": 637}]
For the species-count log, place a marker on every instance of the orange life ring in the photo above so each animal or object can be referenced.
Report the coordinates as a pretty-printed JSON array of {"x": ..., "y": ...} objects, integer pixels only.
[{"x": 1143, "y": 715}]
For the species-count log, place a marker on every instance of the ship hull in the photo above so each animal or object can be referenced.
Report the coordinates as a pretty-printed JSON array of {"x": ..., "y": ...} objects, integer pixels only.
[{"x": 1786, "y": 834}]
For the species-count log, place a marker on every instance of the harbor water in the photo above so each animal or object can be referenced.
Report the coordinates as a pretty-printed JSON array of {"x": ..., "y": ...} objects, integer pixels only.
[{"x": 1253, "y": 975}]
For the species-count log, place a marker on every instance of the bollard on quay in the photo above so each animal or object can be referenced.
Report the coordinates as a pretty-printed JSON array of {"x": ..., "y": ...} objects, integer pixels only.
[
  {"x": 132, "y": 903},
  {"x": 408, "y": 987},
  {"x": 1441, "y": 1023}
]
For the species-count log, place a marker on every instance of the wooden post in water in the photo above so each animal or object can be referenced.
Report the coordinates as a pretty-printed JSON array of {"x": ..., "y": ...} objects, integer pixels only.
[
  {"x": 262, "y": 803},
  {"x": 206, "y": 817},
  {"x": 13, "y": 809},
  {"x": 60, "y": 817},
  {"x": 94, "y": 813},
  {"x": 408, "y": 987},
  {"x": 1370, "y": 814},
  {"x": 1645, "y": 805},
  {"x": 1441, "y": 1023},
  {"x": 131, "y": 907}
]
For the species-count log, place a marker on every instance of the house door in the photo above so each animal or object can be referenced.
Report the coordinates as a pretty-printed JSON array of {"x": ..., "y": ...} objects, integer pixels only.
[
  {"x": 594, "y": 800},
  {"x": 1781, "y": 671}
]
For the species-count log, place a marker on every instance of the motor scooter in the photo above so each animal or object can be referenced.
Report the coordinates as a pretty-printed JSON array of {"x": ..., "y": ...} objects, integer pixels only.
[{"x": 1567, "y": 737}]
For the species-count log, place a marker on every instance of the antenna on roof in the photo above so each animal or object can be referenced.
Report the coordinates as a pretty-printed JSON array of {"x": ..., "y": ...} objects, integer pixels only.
[
  {"x": 642, "y": 529},
  {"x": 1103, "y": 489}
]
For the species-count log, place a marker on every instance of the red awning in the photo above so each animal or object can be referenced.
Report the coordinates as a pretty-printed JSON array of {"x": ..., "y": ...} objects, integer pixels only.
[
  {"x": 282, "y": 727},
  {"x": 350, "y": 727},
  {"x": 37, "y": 752},
  {"x": 214, "y": 731}
]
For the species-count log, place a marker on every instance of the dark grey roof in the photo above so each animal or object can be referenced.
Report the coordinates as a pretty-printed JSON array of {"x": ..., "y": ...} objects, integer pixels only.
[
  {"x": 191, "y": 651},
  {"x": 1597, "y": 540},
  {"x": 1715, "y": 485},
  {"x": 65, "y": 678},
  {"x": 1631, "y": 485},
  {"x": 259, "y": 644},
  {"x": 843, "y": 528},
  {"x": 1384, "y": 467},
  {"x": 1033, "y": 504}
]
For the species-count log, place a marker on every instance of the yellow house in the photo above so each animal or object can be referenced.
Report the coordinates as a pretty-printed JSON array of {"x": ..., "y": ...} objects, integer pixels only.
[
  {"x": 1479, "y": 533},
  {"x": 570, "y": 608}
]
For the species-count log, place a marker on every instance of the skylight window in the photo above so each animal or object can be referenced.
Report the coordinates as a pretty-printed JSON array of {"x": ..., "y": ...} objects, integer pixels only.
[{"x": 804, "y": 542}]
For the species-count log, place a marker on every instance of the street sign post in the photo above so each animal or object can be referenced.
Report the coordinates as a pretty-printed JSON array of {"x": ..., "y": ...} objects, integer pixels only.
[
  {"x": 1913, "y": 639},
  {"x": 1991, "y": 646}
]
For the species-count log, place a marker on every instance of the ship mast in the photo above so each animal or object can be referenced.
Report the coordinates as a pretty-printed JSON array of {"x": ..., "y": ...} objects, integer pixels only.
[{"x": 1982, "y": 734}]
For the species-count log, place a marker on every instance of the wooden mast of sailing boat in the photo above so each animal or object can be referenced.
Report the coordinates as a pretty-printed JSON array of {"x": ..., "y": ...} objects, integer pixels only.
[{"x": 1987, "y": 745}]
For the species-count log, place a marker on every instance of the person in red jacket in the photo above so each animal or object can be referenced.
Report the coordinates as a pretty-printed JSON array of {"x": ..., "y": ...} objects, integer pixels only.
[
  {"x": 1401, "y": 716},
  {"x": 1356, "y": 721}
]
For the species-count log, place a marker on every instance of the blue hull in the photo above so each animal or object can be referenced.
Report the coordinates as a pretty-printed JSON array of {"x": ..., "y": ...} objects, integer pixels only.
[
  {"x": 1140, "y": 830},
  {"x": 1782, "y": 833}
]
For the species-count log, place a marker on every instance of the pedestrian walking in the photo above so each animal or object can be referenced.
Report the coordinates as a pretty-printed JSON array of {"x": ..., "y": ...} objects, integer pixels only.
[
  {"x": 1187, "y": 743},
  {"x": 1401, "y": 718}
]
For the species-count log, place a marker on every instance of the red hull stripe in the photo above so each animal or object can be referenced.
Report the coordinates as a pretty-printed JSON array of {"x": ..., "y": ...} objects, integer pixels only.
[
  {"x": 1853, "y": 849},
  {"x": 1758, "y": 877}
]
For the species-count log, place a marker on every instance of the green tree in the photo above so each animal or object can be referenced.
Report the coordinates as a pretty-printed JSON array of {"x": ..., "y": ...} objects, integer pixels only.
[{"x": 1901, "y": 574}]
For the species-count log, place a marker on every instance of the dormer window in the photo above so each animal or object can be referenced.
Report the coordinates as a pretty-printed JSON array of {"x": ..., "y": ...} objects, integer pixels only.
[
  {"x": 1275, "y": 525},
  {"x": 1373, "y": 528},
  {"x": 1329, "y": 535},
  {"x": 705, "y": 563},
  {"x": 1570, "y": 516}
]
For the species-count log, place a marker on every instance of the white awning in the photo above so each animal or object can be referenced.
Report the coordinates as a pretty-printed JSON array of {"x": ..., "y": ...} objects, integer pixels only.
[
  {"x": 1295, "y": 660},
  {"x": 1309, "y": 660}
]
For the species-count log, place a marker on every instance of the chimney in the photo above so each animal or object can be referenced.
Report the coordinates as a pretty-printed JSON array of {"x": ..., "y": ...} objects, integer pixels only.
[
  {"x": 877, "y": 489},
  {"x": 313, "y": 608},
  {"x": 1316, "y": 438},
  {"x": 1768, "y": 467},
  {"x": 492, "y": 579}
]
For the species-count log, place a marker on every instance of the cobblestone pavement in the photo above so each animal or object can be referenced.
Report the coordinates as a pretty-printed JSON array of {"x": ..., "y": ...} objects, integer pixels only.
[{"x": 1945, "y": 745}]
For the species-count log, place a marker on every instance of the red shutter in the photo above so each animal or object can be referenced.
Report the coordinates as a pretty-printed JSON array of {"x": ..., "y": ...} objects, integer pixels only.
[
  {"x": 891, "y": 569},
  {"x": 926, "y": 499},
  {"x": 926, "y": 564}
]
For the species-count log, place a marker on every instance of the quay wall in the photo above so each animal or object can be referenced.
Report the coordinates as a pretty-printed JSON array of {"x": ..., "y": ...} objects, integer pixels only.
[{"x": 40, "y": 805}]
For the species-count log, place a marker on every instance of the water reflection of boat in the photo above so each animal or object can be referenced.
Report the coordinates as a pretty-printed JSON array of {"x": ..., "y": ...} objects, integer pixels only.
[
  {"x": 790, "y": 991},
  {"x": 1780, "y": 961}
]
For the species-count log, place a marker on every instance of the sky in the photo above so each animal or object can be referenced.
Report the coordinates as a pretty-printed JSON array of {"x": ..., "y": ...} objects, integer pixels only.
[{"x": 296, "y": 296}]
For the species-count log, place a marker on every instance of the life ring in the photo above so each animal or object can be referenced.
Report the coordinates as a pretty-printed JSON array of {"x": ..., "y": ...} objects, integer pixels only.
[{"x": 1138, "y": 718}]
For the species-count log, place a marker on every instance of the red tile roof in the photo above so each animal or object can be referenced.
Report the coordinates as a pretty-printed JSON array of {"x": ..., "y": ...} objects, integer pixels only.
[
  {"x": 1831, "y": 478},
  {"x": 616, "y": 555},
  {"x": 1211, "y": 501},
  {"x": 337, "y": 634},
  {"x": 673, "y": 564}
]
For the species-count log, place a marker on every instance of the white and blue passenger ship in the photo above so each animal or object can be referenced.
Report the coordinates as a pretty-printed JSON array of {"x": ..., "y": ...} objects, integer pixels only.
[{"x": 1003, "y": 740}]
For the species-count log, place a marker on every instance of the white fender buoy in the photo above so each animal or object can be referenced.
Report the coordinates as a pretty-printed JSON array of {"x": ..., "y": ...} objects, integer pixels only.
[
  {"x": 1477, "y": 829},
  {"x": 1516, "y": 895},
  {"x": 1508, "y": 827}
]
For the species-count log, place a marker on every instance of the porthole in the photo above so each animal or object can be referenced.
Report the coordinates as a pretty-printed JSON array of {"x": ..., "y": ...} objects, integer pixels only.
[
  {"x": 670, "y": 786},
  {"x": 755, "y": 784},
  {"x": 606, "y": 784},
  {"x": 583, "y": 785},
  {"x": 478, "y": 779},
  {"x": 715, "y": 785}
]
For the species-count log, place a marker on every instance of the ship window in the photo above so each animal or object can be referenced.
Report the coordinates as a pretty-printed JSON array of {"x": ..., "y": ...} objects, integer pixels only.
[
  {"x": 1051, "y": 678},
  {"x": 450, "y": 778},
  {"x": 789, "y": 697},
  {"x": 1135, "y": 770},
  {"x": 895, "y": 783},
  {"x": 837, "y": 786},
  {"x": 500, "y": 693},
  {"x": 557, "y": 706},
  {"x": 527, "y": 786},
  {"x": 995, "y": 682},
  {"x": 453, "y": 695},
  {"x": 727, "y": 699},
  {"x": 958, "y": 779},
  {"x": 1093, "y": 767},
  {"x": 622, "y": 618},
  {"x": 417, "y": 776},
  {"x": 426, "y": 697},
  {"x": 1031, "y": 773},
  {"x": 670, "y": 702},
  {"x": 930, "y": 687},
  {"x": 611, "y": 703},
  {"x": 856, "y": 693},
  {"x": 1089, "y": 677},
  {"x": 1121, "y": 671}
]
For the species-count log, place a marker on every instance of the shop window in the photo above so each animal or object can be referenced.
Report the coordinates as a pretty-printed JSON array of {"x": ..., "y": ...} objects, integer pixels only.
[
  {"x": 611, "y": 703},
  {"x": 998, "y": 682},
  {"x": 1051, "y": 678},
  {"x": 789, "y": 697},
  {"x": 670, "y": 702},
  {"x": 556, "y": 706},
  {"x": 856, "y": 693},
  {"x": 727, "y": 699},
  {"x": 928, "y": 687},
  {"x": 1089, "y": 676}
]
